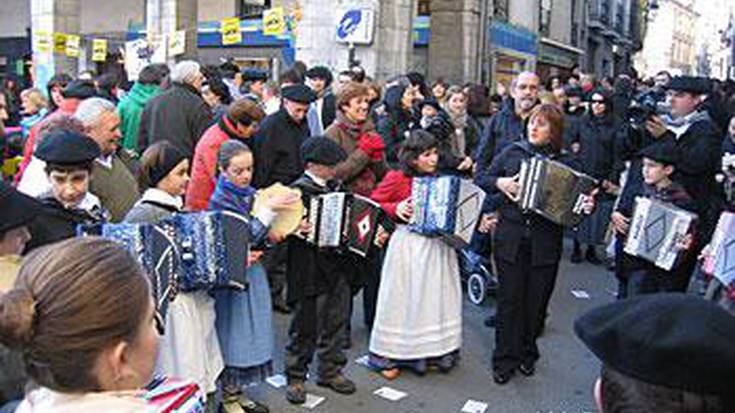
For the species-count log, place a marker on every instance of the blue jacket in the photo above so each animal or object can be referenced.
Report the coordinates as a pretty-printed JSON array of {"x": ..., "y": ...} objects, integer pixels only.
[{"x": 230, "y": 197}]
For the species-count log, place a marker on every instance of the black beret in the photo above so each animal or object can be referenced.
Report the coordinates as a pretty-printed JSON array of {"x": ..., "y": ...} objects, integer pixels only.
[
  {"x": 298, "y": 93},
  {"x": 251, "y": 74},
  {"x": 323, "y": 151},
  {"x": 430, "y": 102},
  {"x": 64, "y": 147},
  {"x": 319, "y": 72},
  {"x": 674, "y": 340},
  {"x": 16, "y": 208},
  {"x": 691, "y": 84},
  {"x": 662, "y": 151},
  {"x": 80, "y": 89}
]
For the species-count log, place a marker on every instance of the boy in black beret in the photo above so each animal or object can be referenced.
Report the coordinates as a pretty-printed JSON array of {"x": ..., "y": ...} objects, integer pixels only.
[
  {"x": 318, "y": 285},
  {"x": 69, "y": 157},
  {"x": 639, "y": 276},
  {"x": 668, "y": 353}
]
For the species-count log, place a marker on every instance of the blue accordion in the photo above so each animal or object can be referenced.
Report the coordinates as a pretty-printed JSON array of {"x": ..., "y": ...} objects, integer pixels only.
[
  {"x": 154, "y": 249},
  {"x": 214, "y": 249},
  {"x": 446, "y": 206}
]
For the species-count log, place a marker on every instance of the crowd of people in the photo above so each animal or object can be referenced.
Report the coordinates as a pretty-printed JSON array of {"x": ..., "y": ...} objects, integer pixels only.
[{"x": 76, "y": 320}]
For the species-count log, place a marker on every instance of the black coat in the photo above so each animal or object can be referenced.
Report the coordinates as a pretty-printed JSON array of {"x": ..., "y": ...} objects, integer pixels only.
[
  {"x": 278, "y": 149},
  {"x": 393, "y": 124},
  {"x": 179, "y": 116},
  {"x": 56, "y": 223},
  {"x": 329, "y": 110},
  {"x": 311, "y": 270},
  {"x": 505, "y": 127},
  {"x": 596, "y": 137},
  {"x": 514, "y": 225}
]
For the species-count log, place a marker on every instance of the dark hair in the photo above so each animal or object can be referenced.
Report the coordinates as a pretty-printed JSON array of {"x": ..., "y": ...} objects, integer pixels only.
[
  {"x": 622, "y": 394},
  {"x": 555, "y": 117},
  {"x": 219, "y": 88},
  {"x": 156, "y": 158},
  {"x": 107, "y": 82},
  {"x": 60, "y": 80},
  {"x": 478, "y": 100},
  {"x": 71, "y": 300},
  {"x": 418, "y": 142},
  {"x": 153, "y": 74},
  {"x": 228, "y": 150},
  {"x": 291, "y": 76},
  {"x": 84, "y": 166},
  {"x": 245, "y": 112}
]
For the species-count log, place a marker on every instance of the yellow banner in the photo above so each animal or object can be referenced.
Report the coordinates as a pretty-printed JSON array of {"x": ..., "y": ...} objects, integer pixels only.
[
  {"x": 43, "y": 41},
  {"x": 99, "y": 50},
  {"x": 72, "y": 45},
  {"x": 274, "y": 22},
  {"x": 59, "y": 43},
  {"x": 230, "y": 29}
]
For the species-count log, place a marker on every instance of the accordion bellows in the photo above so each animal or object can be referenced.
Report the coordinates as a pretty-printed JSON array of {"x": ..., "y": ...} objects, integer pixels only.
[
  {"x": 719, "y": 260},
  {"x": 554, "y": 190},
  {"x": 154, "y": 249},
  {"x": 343, "y": 221},
  {"x": 446, "y": 206},
  {"x": 655, "y": 231}
]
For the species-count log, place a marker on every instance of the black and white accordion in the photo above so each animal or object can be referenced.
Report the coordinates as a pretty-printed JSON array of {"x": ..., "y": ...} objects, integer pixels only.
[
  {"x": 719, "y": 256},
  {"x": 554, "y": 190},
  {"x": 342, "y": 220},
  {"x": 446, "y": 206},
  {"x": 154, "y": 249},
  {"x": 655, "y": 230},
  {"x": 214, "y": 247}
]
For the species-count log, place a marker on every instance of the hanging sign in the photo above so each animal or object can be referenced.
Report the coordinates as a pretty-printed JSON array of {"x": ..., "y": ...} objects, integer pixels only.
[
  {"x": 177, "y": 43},
  {"x": 99, "y": 50},
  {"x": 59, "y": 43},
  {"x": 274, "y": 22},
  {"x": 230, "y": 29},
  {"x": 72, "y": 45}
]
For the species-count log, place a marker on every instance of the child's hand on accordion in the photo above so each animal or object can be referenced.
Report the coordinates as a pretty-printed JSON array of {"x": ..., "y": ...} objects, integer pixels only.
[
  {"x": 685, "y": 243},
  {"x": 509, "y": 186},
  {"x": 404, "y": 210},
  {"x": 488, "y": 222},
  {"x": 620, "y": 222},
  {"x": 589, "y": 202},
  {"x": 466, "y": 164},
  {"x": 254, "y": 256}
]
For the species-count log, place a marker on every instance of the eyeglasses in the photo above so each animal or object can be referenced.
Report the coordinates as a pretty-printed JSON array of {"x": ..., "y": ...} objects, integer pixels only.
[{"x": 602, "y": 102}]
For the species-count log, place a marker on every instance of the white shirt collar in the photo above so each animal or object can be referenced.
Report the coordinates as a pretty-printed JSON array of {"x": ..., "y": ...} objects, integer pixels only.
[
  {"x": 316, "y": 179},
  {"x": 162, "y": 197},
  {"x": 105, "y": 161}
]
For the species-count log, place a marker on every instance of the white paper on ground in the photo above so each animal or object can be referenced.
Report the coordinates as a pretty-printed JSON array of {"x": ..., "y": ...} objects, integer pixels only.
[
  {"x": 581, "y": 294},
  {"x": 473, "y": 406},
  {"x": 277, "y": 381},
  {"x": 312, "y": 401},
  {"x": 390, "y": 394},
  {"x": 363, "y": 361}
]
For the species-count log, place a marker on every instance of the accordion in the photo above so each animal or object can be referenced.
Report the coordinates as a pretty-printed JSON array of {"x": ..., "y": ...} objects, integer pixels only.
[
  {"x": 446, "y": 206},
  {"x": 154, "y": 249},
  {"x": 554, "y": 190},
  {"x": 214, "y": 247},
  {"x": 343, "y": 221},
  {"x": 655, "y": 231},
  {"x": 719, "y": 258}
]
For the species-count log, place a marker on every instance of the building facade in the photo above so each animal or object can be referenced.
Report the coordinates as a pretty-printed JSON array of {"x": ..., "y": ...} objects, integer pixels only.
[
  {"x": 610, "y": 36},
  {"x": 670, "y": 39}
]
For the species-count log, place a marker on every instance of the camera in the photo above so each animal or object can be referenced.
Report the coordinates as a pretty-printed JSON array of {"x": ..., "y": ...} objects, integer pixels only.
[{"x": 639, "y": 112}]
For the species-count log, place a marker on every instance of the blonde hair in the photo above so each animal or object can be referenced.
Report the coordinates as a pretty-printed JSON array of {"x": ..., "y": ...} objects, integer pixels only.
[{"x": 35, "y": 96}]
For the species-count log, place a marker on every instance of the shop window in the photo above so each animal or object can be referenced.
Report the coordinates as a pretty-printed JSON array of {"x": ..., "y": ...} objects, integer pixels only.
[
  {"x": 500, "y": 9},
  {"x": 252, "y": 8},
  {"x": 544, "y": 17}
]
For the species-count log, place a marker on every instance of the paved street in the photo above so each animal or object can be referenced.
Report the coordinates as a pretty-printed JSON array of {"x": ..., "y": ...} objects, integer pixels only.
[{"x": 563, "y": 381}]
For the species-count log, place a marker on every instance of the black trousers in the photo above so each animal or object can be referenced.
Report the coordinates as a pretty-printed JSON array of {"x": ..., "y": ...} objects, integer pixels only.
[
  {"x": 524, "y": 291},
  {"x": 318, "y": 327},
  {"x": 274, "y": 262}
]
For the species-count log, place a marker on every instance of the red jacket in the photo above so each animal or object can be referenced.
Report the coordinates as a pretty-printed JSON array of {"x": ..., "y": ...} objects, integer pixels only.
[
  {"x": 394, "y": 188},
  {"x": 66, "y": 108},
  {"x": 204, "y": 164}
]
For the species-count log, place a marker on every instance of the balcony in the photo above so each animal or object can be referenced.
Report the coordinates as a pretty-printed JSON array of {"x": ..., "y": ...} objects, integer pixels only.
[{"x": 598, "y": 14}]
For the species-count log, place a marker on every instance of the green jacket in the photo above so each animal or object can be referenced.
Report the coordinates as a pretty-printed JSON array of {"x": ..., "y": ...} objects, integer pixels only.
[{"x": 130, "y": 109}]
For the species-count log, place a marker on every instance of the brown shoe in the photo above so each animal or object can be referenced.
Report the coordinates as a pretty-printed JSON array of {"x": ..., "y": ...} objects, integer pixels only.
[
  {"x": 339, "y": 383},
  {"x": 296, "y": 392}
]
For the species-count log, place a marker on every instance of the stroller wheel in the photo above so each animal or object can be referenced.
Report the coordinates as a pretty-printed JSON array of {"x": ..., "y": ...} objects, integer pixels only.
[{"x": 476, "y": 289}]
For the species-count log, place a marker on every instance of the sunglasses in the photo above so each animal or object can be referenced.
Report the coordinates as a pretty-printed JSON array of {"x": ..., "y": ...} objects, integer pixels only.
[{"x": 600, "y": 101}]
